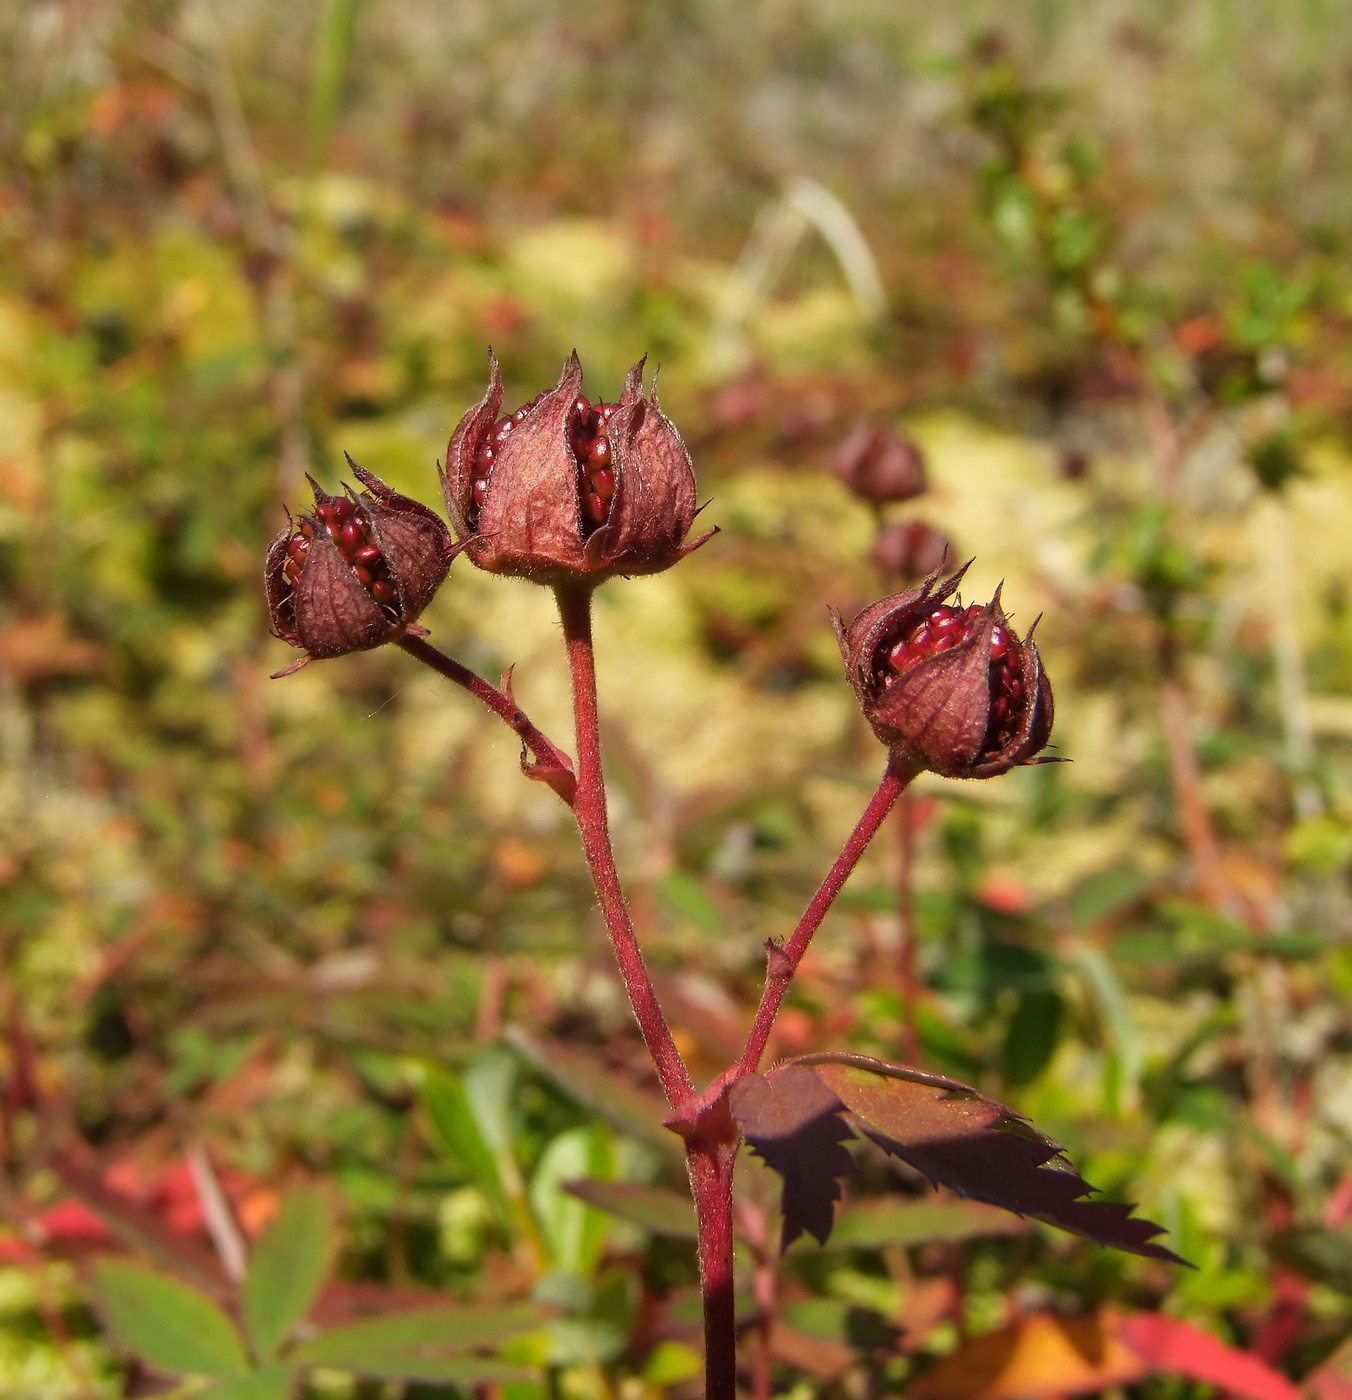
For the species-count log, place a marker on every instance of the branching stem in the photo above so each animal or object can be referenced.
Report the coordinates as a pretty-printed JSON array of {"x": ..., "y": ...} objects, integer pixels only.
[
  {"x": 784, "y": 959},
  {"x": 551, "y": 765},
  {"x": 710, "y": 1155}
]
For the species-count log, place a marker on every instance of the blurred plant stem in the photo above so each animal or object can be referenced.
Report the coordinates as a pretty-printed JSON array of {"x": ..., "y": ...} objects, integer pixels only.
[
  {"x": 269, "y": 270},
  {"x": 54, "y": 1320},
  {"x": 268, "y": 250},
  {"x": 752, "y": 1224},
  {"x": 1198, "y": 833},
  {"x": 333, "y": 45},
  {"x": 1170, "y": 442},
  {"x": 1288, "y": 658},
  {"x": 492, "y": 993},
  {"x": 221, "y": 1225}
]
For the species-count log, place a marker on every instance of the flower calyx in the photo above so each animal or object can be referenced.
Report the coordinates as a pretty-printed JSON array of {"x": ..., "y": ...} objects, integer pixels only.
[
  {"x": 880, "y": 464},
  {"x": 949, "y": 689},
  {"x": 564, "y": 490},
  {"x": 357, "y": 572}
]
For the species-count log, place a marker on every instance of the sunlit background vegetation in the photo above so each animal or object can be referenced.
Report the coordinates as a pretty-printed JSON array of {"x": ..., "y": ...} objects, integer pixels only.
[{"x": 1093, "y": 257}]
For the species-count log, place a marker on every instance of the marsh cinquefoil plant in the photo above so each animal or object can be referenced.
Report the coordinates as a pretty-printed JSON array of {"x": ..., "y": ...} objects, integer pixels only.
[{"x": 567, "y": 494}]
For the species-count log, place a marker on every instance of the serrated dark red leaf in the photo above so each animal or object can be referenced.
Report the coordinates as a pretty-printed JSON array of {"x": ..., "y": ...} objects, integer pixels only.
[
  {"x": 793, "y": 1121},
  {"x": 954, "y": 1135}
]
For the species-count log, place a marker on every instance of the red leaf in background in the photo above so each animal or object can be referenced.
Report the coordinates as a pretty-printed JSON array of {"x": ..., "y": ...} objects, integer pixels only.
[
  {"x": 792, "y": 1121},
  {"x": 1168, "y": 1344},
  {"x": 74, "y": 1223},
  {"x": 956, "y": 1136},
  {"x": 67, "y": 1229}
]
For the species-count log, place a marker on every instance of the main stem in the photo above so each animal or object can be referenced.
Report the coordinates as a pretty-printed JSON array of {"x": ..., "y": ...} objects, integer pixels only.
[
  {"x": 589, "y": 809},
  {"x": 784, "y": 960},
  {"x": 711, "y": 1185}
]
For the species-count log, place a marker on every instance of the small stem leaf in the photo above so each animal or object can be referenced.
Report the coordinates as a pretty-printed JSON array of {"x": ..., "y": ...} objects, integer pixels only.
[
  {"x": 288, "y": 1268},
  {"x": 174, "y": 1327},
  {"x": 795, "y": 1119},
  {"x": 792, "y": 1120}
]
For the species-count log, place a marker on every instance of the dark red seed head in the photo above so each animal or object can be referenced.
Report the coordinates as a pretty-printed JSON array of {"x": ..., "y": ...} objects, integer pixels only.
[
  {"x": 880, "y": 464},
  {"x": 948, "y": 688},
  {"x": 578, "y": 490},
  {"x": 358, "y": 573}
]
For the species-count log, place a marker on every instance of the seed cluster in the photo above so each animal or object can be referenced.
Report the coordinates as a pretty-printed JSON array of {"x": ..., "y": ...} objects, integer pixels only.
[
  {"x": 942, "y": 629},
  {"x": 589, "y": 439},
  {"x": 342, "y": 521}
]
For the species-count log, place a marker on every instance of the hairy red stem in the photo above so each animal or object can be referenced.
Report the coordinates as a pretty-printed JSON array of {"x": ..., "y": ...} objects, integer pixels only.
[
  {"x": 589, "y": 809},
  {"x": 784, "y": 959},
  {"x": 711, "y": 1184},
  {"x": 552, "y": 764}
]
